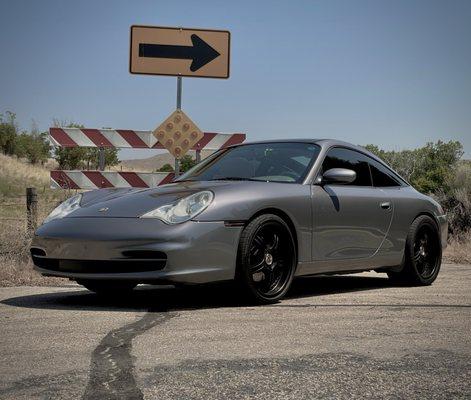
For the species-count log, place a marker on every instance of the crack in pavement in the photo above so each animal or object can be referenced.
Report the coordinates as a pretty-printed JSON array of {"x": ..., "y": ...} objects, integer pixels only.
[{"x": 111, "y": 372}]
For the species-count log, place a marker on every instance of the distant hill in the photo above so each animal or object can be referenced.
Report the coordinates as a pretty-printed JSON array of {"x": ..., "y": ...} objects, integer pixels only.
[{"x": 150, "y": 164}]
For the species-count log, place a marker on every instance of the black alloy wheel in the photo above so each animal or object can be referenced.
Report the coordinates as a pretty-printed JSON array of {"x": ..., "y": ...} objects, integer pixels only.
[
  {"x": 267, "y": 259},
  {"x": 422, "y": 255},
  {"x": 426, "y": 252}
]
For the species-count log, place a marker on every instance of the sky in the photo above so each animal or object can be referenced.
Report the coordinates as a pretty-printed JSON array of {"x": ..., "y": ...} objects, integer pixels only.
[{"x": 393, "y": 73}]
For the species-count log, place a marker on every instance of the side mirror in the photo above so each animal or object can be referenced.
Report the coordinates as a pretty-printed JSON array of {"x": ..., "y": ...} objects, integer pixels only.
[{"x": 339, "y": 175}]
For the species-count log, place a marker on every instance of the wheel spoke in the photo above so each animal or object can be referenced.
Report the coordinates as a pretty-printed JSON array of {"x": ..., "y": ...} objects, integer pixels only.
[
  {"x": 254, "y": 251},
  {"x": 272, "y": 247},
  {"x": 259, "y": 242},
  {"x": 258, "y": 246},
  {"x": 417, "y": 256},
  {"x": 269, "y": 278},
  {"x": 258, "y": 267}
]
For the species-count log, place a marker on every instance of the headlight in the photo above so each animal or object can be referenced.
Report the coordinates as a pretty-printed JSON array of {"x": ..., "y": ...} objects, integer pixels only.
[
  {"x": 64, "y": 208},
  {"x": 183, "y": 209}
]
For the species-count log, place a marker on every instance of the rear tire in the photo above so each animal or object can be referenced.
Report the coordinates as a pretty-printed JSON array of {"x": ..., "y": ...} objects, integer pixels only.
[
  {"x": 266, "y": 259},
  {"x": 108, "y": 288},
  {"x": 422, "y": 256}
]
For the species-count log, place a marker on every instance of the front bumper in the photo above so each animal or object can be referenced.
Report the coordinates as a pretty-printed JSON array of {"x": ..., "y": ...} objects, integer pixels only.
[{"x": 192, "y": 252}]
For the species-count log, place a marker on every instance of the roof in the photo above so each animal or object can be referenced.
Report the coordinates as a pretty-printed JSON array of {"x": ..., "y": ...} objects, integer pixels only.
[
  {"x": 326, "y": 143},
  {"x": 320, "y": 142}
]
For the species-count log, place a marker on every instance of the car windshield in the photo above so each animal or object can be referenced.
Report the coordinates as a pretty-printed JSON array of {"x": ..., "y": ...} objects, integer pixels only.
[{"x": 274, "y": 162}]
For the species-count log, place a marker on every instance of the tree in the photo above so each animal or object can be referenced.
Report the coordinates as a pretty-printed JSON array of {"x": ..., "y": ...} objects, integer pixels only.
[
  {"x": 8, "y": 133},
  {"x": 35, "y": 147},
  {"x": 186, "y": 162},
  {"x": 92, "y": 157},
  {"x": 438, "y": 163},
  {"x": 165, "y": 168},
  {"x": 70, "y": 158},
  {"x": 427, "y": 168}
]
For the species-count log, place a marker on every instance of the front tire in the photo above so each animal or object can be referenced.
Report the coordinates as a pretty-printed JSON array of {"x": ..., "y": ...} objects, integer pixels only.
[
  {"x": 266, "y": 259},
  {"x": 423, "y": 254},
  {"x": 108, "y": 288}
]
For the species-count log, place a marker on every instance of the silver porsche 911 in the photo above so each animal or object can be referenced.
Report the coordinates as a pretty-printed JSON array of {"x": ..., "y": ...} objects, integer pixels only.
[{"x": 258, "y": 214}]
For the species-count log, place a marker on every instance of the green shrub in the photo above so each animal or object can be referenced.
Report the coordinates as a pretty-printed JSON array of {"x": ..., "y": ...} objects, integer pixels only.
[
  {"x": 429, "y": 169},
  {"x": 457, "y": 200},
  {"x": 436, "y": 169}
]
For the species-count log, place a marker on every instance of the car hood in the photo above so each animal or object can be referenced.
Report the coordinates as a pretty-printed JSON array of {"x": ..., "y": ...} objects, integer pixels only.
[{"x": 132, "y": 203}]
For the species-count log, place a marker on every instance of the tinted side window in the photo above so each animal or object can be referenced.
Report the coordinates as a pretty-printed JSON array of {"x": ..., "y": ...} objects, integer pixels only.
[
  {"x": 344, "y": 158},
  {"x": 382, "y": 177}
]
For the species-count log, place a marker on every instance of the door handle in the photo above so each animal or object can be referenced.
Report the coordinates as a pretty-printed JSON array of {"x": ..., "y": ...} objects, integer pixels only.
[{"x": 385, "y": 205}]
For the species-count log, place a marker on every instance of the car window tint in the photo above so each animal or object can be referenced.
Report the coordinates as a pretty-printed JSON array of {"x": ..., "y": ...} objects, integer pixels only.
[
  {"x": 382, "y": 176},
  {"x": 277, "y": 162},
  {"x": 303, "y": 160},
  {"x": 339, "y": 157}
]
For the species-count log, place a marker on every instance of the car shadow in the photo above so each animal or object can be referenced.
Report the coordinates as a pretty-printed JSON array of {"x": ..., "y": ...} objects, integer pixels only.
[{"x": 159, "y": 298}]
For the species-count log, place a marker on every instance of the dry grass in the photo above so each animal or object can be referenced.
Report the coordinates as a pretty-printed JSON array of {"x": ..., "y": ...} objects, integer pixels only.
[
  {"x": 14, "y": 273},
  {"x": 459, "y": 250},
  {"x": 15, "y": 176},
  {"x": 16, "y": 267}
]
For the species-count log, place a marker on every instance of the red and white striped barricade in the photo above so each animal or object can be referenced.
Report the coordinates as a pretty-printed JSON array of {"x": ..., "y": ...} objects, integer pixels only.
[
  {"x": 121, "y": 138},
  {"x": 108, "y": 179}
]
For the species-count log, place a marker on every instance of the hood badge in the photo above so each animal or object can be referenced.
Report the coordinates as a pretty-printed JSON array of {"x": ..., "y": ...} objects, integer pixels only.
[{"x": 103, "y": 209}]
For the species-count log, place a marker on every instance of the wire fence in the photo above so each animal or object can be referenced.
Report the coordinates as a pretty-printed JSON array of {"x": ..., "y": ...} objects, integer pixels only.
[
  {"x": 9, "y": 211},
  {"x": 21, "y": 208}
]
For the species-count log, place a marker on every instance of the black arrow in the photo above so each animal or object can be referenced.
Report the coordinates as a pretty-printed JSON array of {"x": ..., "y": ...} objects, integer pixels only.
[{"x": 201, "y": 52}]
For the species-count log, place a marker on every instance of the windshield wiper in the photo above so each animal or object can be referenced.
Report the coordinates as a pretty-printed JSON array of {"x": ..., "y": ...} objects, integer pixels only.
[{"x": 235, "y": 178}]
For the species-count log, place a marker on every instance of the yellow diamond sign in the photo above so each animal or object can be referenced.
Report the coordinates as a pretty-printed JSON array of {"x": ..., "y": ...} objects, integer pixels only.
[{"x": 178, "y": 134}]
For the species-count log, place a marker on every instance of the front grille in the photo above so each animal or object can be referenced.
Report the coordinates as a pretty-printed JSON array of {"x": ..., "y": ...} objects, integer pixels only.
[
  {"x": 126, "y": 265},
  {"x": 144, "y": 254}
]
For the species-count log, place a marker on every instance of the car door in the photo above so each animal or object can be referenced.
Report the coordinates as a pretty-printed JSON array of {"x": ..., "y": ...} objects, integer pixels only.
[{"x": 350, "y": 221}]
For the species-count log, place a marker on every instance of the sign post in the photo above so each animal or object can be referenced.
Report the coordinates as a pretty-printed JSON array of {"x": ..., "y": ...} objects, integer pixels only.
[
  {"x": 179, "y": 52},
  {"x": 101, "y": 159},
  {"x": 179, "y": 107}
]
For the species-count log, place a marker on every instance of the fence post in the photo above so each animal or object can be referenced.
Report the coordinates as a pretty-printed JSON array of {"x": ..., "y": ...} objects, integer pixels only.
[{"x": 31, "y": 209}]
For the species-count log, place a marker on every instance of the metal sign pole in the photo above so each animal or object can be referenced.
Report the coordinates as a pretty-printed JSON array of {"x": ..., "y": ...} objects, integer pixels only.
[
  {"x": 101, "y": 159},
  {"x": 179, "y": 92},
  {"x": 179, "y": 107}
]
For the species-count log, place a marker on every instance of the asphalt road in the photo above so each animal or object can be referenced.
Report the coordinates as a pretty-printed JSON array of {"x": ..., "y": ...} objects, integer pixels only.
[{"x": 333, "y": 337}]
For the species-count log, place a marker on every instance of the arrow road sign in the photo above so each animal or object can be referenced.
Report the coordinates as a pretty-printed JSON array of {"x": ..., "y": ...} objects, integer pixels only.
[
  {"x": 179, "y": 52},
  {"x": 200, "y": 52}
]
